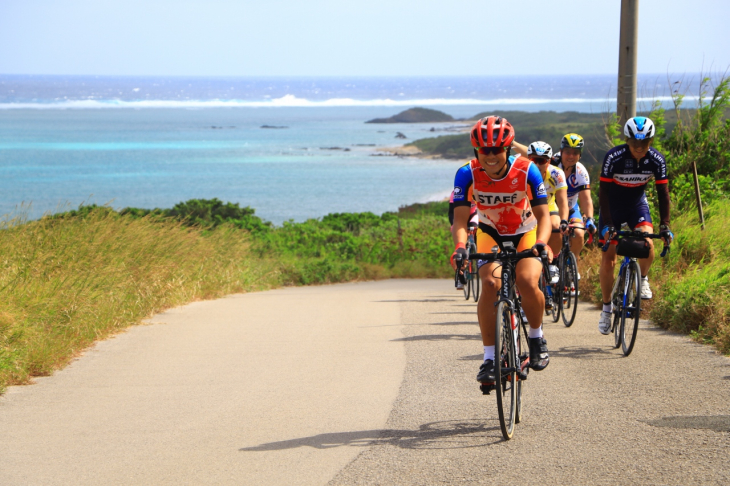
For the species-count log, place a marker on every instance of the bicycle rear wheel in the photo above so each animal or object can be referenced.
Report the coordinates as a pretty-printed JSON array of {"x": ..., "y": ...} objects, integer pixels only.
[
  {"x": 569, "y": 288},
  {"x": 505, "y": 367},
  {"x": 632, "y": 311},
  {"x": 467, "y": 277}
]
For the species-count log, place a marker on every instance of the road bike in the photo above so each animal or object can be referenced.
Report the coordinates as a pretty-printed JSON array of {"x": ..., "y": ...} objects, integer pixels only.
[
  {"x": 511, "y": 362},
  {"x": 468, "y": 269},
  {"x": 626, "y": 293}
]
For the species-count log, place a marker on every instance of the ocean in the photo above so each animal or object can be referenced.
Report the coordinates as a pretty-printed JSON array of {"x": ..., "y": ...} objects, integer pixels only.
[{"x": 292, "y": 149}]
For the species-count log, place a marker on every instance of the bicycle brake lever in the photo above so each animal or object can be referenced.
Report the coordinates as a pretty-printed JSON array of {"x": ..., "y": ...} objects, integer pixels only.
[{"x": 666, "y": 250}]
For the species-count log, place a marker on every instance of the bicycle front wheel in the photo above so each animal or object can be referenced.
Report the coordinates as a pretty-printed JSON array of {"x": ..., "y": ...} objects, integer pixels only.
[
  {"x": 569, "y": 288},
  {"x": 475, "y": 286},
  {"x": 632, "y": 310},
  {"x": 505, "y": 367}
]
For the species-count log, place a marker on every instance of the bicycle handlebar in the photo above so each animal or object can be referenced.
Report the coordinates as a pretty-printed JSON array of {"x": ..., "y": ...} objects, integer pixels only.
[{"x": 636, "y": 234}]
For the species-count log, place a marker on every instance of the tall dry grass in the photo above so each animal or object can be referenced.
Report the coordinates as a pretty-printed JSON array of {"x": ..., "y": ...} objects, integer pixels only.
[{"x": 65, "y": 283}]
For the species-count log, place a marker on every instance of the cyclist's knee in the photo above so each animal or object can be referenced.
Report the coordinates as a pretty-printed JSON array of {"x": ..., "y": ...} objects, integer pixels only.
[{"x": 489, "y": 283}]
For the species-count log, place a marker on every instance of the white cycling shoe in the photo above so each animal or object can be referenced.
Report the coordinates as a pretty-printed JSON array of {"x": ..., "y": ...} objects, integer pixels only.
[
  {"x": 646, "y": 292},
  {"x": 604, "y": 323}
]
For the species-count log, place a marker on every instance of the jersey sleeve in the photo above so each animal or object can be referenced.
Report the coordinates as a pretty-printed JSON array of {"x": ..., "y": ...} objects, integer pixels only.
[
  {"x": 462, "y": 186},
  {"x": 535, "y": 186},
  {"x": 582, "y": 179},
  {"x": 660, "y": 168},
  {"x": 608, "y": 165},
  {"x": 559, "y": 178}
]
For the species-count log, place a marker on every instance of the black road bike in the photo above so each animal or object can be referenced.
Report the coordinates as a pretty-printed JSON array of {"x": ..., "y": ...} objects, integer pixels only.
[
  {"x": 626, "y": 293},
  {"x": 511, "y": 361}
]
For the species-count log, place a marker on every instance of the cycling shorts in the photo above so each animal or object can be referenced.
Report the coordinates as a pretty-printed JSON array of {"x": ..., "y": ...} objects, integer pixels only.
[
  {"x": 575, "y": 216},
  {"x": 487, "y": 240},
  {"x": 635, "y": 217}
]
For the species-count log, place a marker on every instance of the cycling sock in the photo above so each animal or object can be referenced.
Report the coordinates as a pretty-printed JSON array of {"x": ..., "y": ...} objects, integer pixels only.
[
  {"x": 607, "y": 307},
  {"x": 535, "y": 333},
  {"x": 489, "y": 352}
]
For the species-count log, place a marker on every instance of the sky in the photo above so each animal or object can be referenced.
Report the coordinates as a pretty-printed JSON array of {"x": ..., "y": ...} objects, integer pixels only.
[{"x": 366, "y": 38}]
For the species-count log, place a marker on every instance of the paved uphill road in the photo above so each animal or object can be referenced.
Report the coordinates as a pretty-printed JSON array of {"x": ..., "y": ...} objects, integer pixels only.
[{"x": 365, "y": 383}]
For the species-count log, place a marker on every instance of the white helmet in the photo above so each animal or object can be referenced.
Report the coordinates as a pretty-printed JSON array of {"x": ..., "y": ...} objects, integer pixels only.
[
  {"x": 639, "y": 127},
  {"x": 540, "y": 149}
]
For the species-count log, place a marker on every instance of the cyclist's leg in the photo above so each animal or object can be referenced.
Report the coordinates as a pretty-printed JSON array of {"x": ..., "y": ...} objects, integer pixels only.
[
  {"x": 641, "y": 221},
  {"x": 527, "y": 275},
  {"x": 486, "y": 310},
  {"x": 555, "y": 241},
  {"x": 608, "y": 262},
  {"x": 576, "y": 243}
]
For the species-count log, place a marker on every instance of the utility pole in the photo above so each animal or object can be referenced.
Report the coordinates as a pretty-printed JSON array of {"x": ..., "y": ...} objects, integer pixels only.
[{"x": 628, "y": 43}]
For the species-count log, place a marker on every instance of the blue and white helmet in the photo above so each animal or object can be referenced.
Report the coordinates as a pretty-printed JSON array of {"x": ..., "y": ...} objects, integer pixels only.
[
  {"x": 639, "y": 128},
  {"x": 540, "y": 149}
]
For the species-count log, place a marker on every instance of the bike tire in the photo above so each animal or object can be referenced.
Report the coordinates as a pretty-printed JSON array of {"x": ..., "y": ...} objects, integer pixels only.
[
  {"x": 632, "y": 312},
  {"x": 467, "y": 276},
  {"x": 617, "y": 311},
  {"x": 505, "y": 360},
  {"x": 476, "y": 286},
  {"x": 570, "y": 281}
]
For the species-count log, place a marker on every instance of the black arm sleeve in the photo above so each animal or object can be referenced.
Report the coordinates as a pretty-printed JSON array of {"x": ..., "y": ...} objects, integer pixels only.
[
  {"x": 662, "y": 191},
  {"x": 603, "y": 189}
]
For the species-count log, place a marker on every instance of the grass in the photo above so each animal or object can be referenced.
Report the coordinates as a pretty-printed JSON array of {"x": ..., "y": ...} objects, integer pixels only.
[{"x": 74, "y": 278}]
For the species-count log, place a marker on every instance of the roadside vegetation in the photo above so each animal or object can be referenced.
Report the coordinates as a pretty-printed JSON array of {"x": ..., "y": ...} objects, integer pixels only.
[{"x": 76, "y": 277}]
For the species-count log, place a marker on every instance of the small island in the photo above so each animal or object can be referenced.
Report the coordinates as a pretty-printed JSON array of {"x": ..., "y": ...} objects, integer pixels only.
[{"x": 415, "y": 115}]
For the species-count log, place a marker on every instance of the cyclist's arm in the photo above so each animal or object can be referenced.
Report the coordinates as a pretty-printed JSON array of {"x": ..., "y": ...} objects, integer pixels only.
[
  {"x": 662, "y": 191},
  {"x": 544, "y": 226},
  {"x": 461, "y": 218},
  {"x": 519, "y": 148},
  {"x": 561, "y": 199},
  {"x": 585, "y": 203},
  {"x": 605, "y": 207}
]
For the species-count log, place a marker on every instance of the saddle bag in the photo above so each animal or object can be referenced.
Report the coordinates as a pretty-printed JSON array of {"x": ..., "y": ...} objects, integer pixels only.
[{"x": 633, "y": 247}]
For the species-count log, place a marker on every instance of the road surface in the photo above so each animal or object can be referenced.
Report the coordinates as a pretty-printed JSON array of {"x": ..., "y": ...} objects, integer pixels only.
[{"x": 364, "y": 383}]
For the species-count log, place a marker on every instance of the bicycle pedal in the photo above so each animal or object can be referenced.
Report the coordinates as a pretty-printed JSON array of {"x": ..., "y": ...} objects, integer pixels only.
[{"x": 487, "y": 387}]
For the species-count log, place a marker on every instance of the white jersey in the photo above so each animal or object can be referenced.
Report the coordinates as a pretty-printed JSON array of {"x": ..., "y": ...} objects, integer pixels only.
[{"x": 578, "y": 181}]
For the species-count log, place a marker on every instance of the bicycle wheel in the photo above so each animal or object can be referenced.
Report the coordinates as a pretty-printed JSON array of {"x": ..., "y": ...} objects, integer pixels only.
[
  {"x": 632, "y": 310},
  {"x": 467, "y": 276},
  {"x": 520, "y": 382},
  {"x": 557, "y": 294},
  {"x": 476, "y": 285},
  {"x": 618, "y": 306},
  {"x": 569, "y": 288},
  {"x": 505, "y": 367}
]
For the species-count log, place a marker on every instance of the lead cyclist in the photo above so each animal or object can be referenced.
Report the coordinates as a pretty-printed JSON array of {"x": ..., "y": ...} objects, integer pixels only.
[{"x": 625, "y": 173}]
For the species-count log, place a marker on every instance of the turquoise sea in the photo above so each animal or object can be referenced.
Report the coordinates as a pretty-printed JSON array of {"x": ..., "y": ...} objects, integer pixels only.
[{"x": 153, "y": 142}]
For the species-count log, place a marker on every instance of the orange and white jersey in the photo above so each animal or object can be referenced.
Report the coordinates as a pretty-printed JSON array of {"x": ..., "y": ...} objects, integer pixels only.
[{"x": 504, "y": 204}]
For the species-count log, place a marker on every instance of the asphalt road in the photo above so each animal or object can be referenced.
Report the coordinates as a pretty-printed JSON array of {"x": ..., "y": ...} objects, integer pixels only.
[{"x": 365, "y": 383}]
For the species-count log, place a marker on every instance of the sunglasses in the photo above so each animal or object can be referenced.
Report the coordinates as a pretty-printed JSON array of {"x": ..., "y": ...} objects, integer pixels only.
[
  {"x": 540, "y": 160},
  {"x": 491, "y": 150}
]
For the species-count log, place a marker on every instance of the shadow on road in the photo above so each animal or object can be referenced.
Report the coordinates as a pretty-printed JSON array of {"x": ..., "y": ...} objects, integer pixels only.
[
  {"x": 472, "y": 357},
  {"x": 442, "y": 337},
  {"x": 451, "y": 434},
  {"x": 718, "y": 423},
  {"x": 449, "y": 313},
  {"x": 416, "y": 300},
  {"x": 454, "y": 323},
  {"x": 577, "y": 352}
]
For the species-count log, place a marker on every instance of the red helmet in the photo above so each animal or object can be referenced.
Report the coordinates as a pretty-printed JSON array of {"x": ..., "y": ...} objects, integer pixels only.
[{"x": 492, "y": 131}]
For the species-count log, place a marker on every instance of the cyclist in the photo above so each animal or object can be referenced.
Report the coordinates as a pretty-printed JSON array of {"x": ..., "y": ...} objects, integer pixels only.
[
  {"x": 625, "y": 173},
  {"x": 556, "y": 188},
  {"x": 512, "y": 205},
  {"x": 579, "y": 189}
]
